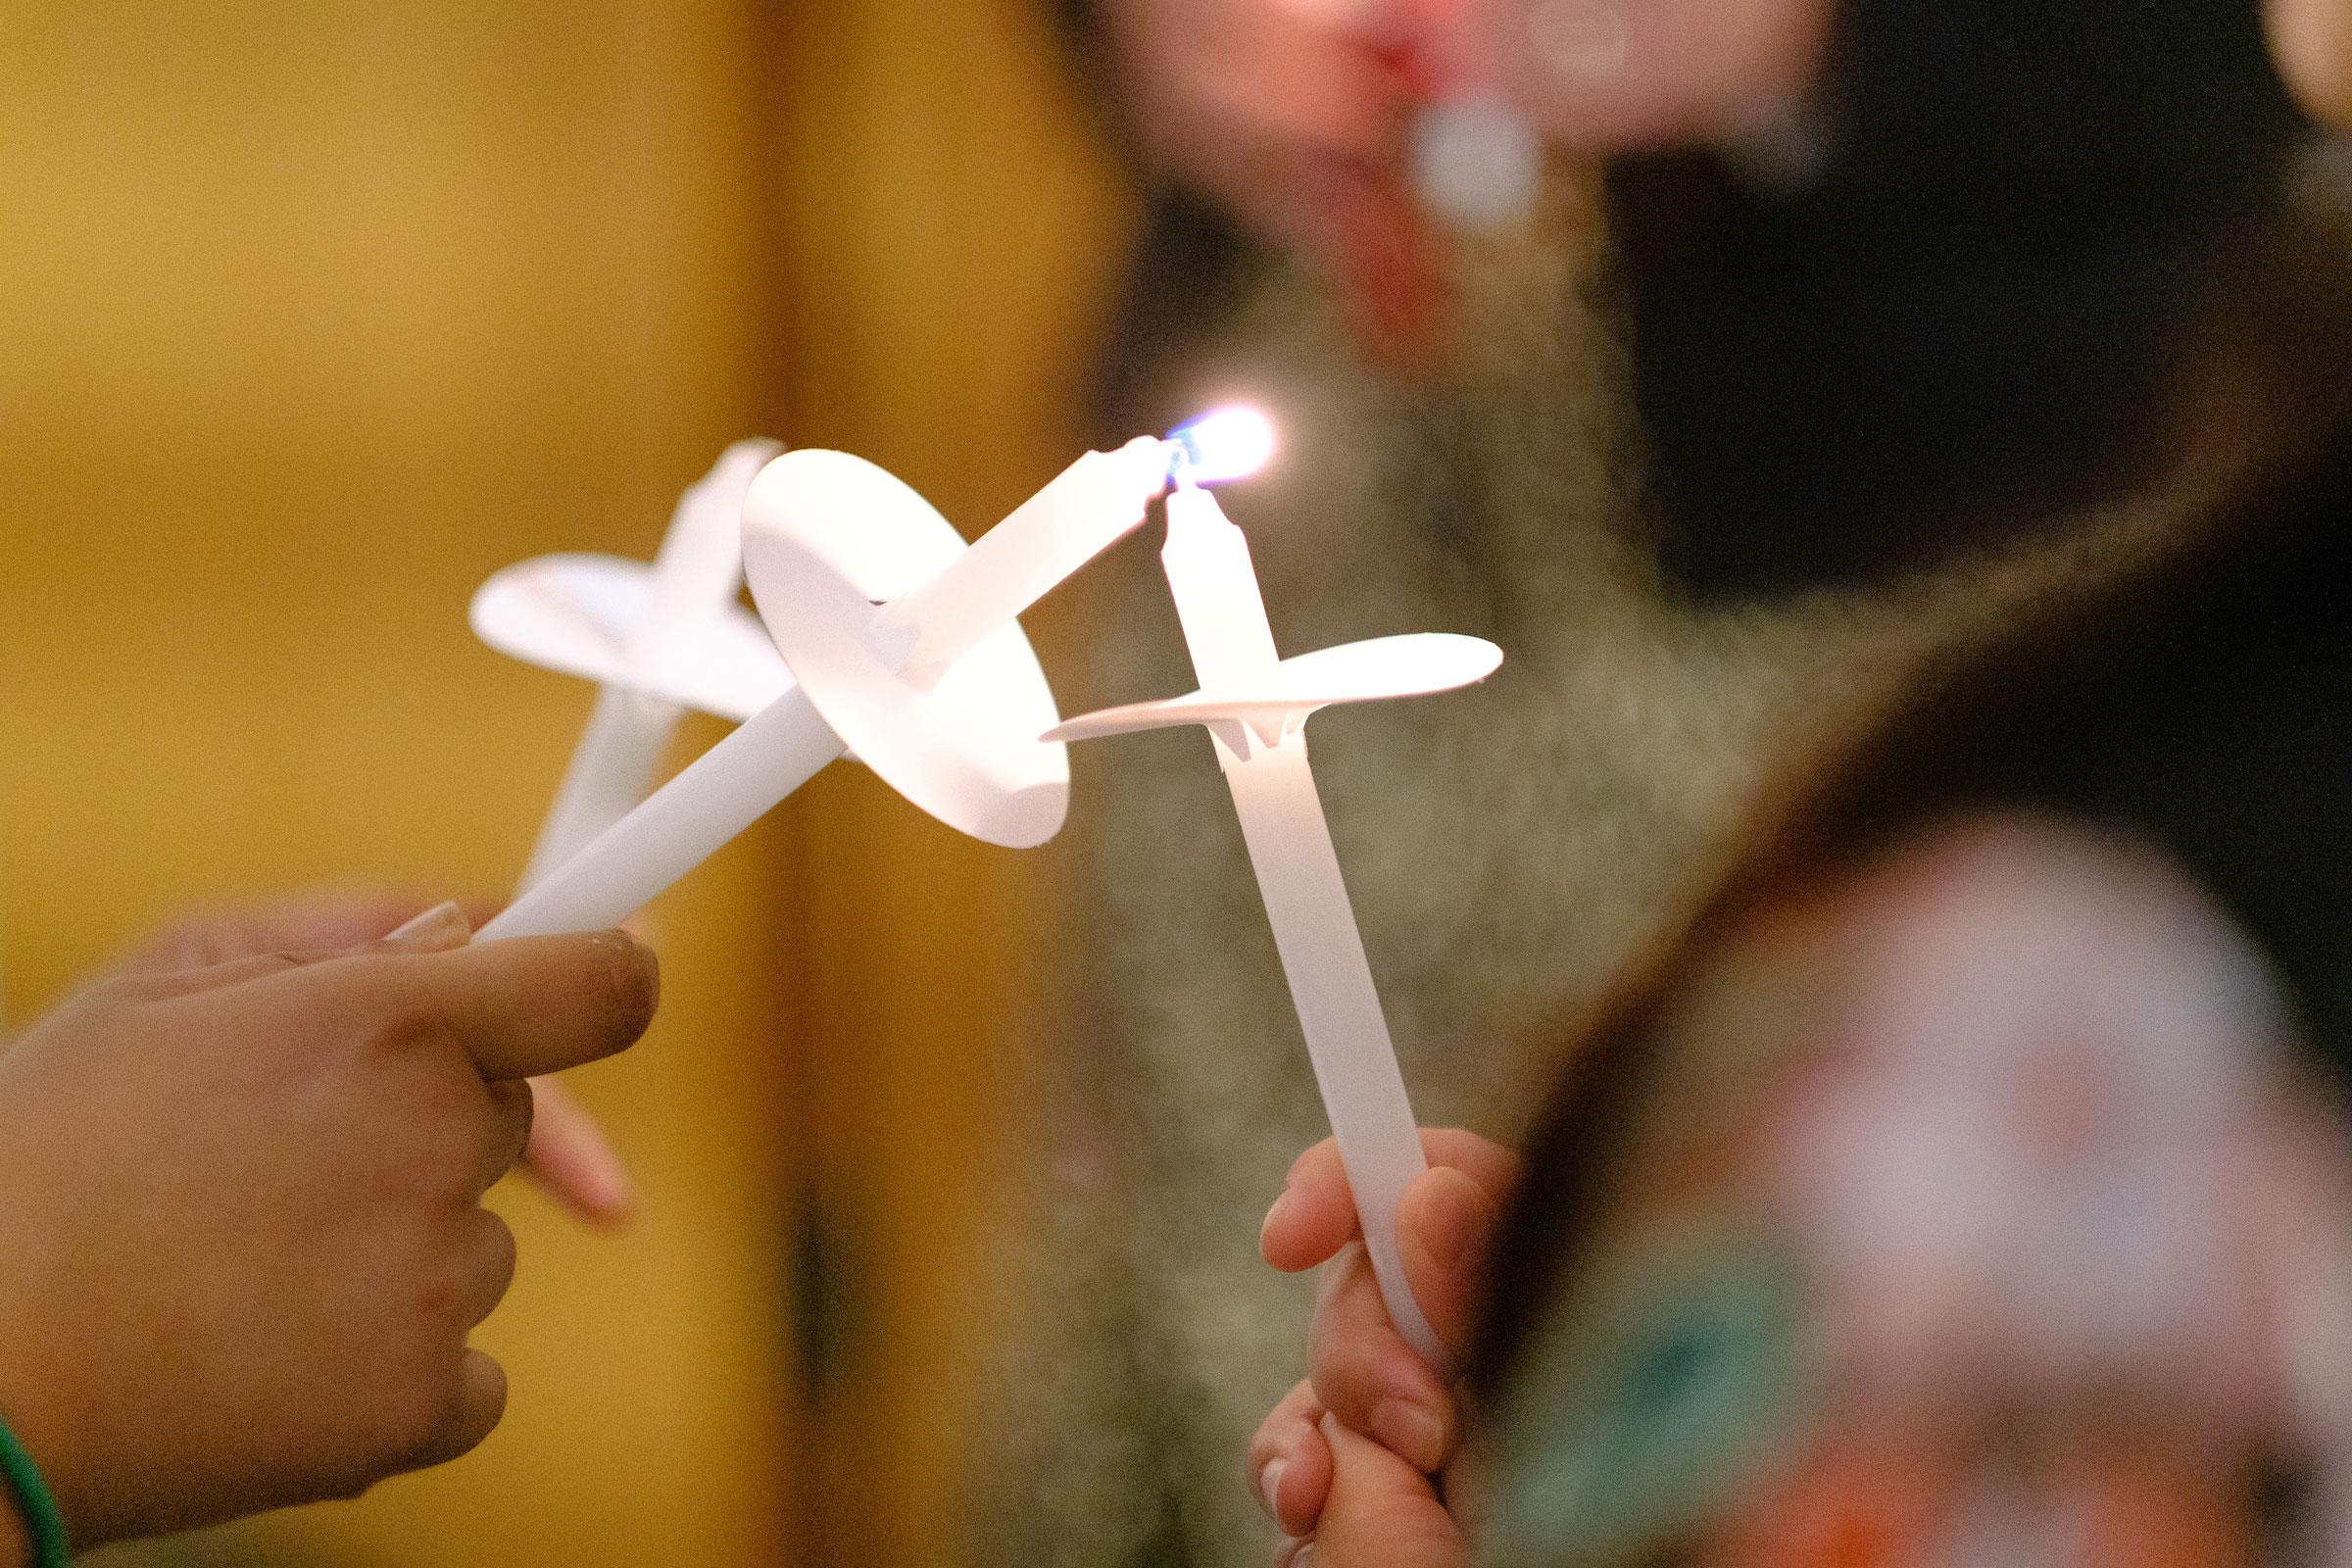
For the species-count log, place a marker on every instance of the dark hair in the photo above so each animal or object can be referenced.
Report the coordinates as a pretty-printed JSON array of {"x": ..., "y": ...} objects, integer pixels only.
[
  {"x": 1967, "y": 323},
  {"x": 2201, "y": 703}
]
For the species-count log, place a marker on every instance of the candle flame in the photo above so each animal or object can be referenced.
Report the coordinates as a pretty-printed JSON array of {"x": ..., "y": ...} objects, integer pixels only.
[{"x": 1226, "y": 443}]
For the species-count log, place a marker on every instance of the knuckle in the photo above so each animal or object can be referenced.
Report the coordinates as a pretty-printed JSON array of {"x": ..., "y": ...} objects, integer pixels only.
[
  {"x": 437, "y": 1306},
  {"x": 431, "y": 1137},
  {"x": 361, "y": 1003},
  {"x": 1347, "y": 1374},
  {"x": 499, "y": 1256},
  {"x": 390, "y": 1000}
]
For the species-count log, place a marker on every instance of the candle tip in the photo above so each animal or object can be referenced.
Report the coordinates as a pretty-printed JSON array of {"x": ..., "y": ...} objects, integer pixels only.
[{"x": 1226, "y": 443}]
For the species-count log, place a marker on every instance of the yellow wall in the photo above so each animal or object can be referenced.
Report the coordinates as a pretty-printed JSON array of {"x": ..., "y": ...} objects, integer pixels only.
[
  {"x": 950, "y": 227},
  {"x": 312, "y": 314}
]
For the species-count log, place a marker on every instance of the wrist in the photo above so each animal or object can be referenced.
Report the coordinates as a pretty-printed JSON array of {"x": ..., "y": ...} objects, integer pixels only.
[
  {"x": 32, "y": 1531},
  {"x": 41, "y": 1403},
  {"x": 31, "y": 1435}
]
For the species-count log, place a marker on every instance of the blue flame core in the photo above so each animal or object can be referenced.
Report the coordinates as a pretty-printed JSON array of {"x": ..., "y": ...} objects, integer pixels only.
[{"x": 1226, "y": 443}]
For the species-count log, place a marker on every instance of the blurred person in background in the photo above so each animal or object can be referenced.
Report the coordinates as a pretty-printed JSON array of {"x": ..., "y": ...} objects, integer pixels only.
[{"x": 1843, "y": 345}]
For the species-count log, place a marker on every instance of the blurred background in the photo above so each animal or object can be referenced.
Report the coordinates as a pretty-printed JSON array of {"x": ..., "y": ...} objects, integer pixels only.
[{"x": 312, "y": 316}]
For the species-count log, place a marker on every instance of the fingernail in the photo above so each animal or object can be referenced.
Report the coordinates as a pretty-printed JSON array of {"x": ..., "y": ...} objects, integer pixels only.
[
  {"x": 1267, "y": 1224},
  {"x": 608, "y": 1193},
  {"x": 437, "y": 930},
  {"x": 1270, "y": 1483},
  {"x": 636, "y": 972},
  {"x": 1410, "y": 1433}
]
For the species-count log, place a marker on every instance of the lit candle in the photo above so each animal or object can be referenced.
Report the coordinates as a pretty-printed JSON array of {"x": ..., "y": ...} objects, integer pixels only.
[
  {"x": 1086, "y": 508},
  {"x": 1255, "y": 706},
  {"x": 899, "y": 650}
]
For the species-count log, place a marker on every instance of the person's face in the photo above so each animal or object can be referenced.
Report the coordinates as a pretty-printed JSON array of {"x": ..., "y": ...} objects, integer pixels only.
[{"x": 1295, "y": 113}]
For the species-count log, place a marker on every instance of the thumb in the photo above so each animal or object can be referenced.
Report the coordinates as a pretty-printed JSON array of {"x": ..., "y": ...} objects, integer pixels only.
[{"x": 1444, "y": 1224}]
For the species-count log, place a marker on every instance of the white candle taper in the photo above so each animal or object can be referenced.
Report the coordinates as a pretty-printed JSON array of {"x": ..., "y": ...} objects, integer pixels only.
[
  {"x": 612, "y": 765},
  {"x": 677, "y": 827},
  {"x": 689, "y": 589},
  {"x": 1255, "y": 706},
  {"x": 1264, "y": 762},
  {"x": 837, "y": 534},
  {"x": 1080, "y": 513}
]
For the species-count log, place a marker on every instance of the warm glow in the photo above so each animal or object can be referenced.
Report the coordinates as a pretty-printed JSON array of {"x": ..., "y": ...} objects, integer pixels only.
[{"x": 1225, "y": 443}]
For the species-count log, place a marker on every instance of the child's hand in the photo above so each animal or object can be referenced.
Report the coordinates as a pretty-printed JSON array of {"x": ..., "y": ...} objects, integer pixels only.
[
  {"x": 569, "y": 1156},
  {"x": 239, "y": 1213},
  {"x": 1309, "y": 1461}
]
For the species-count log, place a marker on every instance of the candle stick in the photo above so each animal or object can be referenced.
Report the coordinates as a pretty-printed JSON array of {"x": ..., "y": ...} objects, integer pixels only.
[
  {"x": 1207, "y": 564},
  {"x": 678, "y": 826},
  {"x": 1086, "y": 508},
  {"x": 656, "y": 640},
  {"x": 961, "y": 741},
  {"x": 1255, "y": 709},
  {"x": 694, "y": 578},
  {"x": 1339, "y": 1009},
  {"x": 611, "y": 769}
]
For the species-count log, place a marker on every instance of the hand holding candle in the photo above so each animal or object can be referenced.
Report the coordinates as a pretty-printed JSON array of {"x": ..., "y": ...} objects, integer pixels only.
[{"x": 1255, "y": 706}]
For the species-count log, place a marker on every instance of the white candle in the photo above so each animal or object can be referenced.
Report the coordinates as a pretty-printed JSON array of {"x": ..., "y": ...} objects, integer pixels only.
[
  {"x": 612, "y": 765},
  {"x": 677, "y": 827},
  {"x": 694, "y": 575},
  {"x": 1264, "y": 762},
  {"x": 1082, "y": 512},
  {"x": 953, "y": 610}
]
